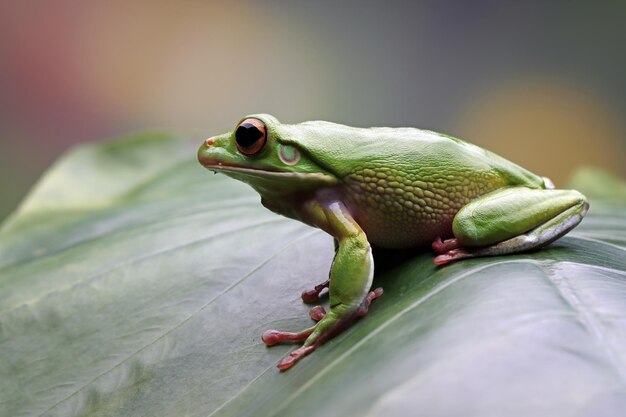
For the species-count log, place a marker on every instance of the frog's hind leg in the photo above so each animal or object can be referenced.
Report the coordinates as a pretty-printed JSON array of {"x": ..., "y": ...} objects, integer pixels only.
[{"x": 511, "y": 220}]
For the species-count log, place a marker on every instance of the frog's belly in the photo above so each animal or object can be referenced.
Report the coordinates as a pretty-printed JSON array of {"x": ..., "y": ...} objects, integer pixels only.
[{"x": 400, "y": 210}]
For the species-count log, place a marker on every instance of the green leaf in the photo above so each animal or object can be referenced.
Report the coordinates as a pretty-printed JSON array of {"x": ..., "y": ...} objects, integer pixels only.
[{"x": 135, "y": 283}]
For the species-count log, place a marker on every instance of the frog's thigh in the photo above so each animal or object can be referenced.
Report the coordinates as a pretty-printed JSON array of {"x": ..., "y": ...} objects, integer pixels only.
[{"x": 518, "y": 218}]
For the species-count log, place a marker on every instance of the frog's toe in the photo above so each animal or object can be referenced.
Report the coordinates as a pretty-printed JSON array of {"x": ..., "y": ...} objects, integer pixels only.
[
  {"x": 451, "y": 256},
  {"x": 365, "y": 305},
  {"x": 442, "y": 247},
  {"x": 291, "y": 359},
  {"x": 317, "y": 313},
  {"x": 273, "y": 337},
  {"x": 312, "y": 295}
]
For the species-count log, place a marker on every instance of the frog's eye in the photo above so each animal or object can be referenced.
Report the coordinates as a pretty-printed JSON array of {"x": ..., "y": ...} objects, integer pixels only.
[{"x": 250, "y": 136}]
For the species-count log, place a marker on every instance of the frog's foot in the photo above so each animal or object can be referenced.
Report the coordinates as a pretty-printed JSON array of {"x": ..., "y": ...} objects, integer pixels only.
[
  {"x": 448, "y": 251},
  {"x": 368, "y": 300},
  {"x": 312, "y": 296},
  {"x": 452, "y": 255},
  {"x": 273, "y": 337},
  {"x": 291, "y": 359},
  {"x": 317, "y": 313},
  {"x": 328, "y": 326},
  {"x": 442, "y": 247}
]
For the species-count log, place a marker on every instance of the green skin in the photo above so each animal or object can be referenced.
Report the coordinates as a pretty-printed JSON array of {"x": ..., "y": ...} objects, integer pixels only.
[{"x": 389, "y": 188}]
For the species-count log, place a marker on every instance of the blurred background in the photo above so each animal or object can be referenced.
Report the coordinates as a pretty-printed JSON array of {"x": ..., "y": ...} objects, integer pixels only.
[{"x": 541, "y": 83}]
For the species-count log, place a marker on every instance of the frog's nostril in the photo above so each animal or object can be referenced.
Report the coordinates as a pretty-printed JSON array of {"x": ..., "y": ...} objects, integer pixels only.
[{"x": 204, "y": 153}]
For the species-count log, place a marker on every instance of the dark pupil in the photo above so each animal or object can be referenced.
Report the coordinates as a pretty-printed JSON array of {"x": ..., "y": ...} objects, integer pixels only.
[{"x": 247, "y": 134}]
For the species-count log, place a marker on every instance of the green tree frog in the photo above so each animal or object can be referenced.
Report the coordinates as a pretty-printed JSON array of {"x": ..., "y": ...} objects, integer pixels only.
[{"x": 388, "y": 188}]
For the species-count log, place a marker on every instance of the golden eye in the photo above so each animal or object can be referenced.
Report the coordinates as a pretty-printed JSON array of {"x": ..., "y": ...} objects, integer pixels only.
[{"x": 250, "y": 136}]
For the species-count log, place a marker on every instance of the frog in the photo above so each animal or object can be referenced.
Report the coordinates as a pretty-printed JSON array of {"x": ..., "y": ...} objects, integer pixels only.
[{"x": 388, "y": 188}]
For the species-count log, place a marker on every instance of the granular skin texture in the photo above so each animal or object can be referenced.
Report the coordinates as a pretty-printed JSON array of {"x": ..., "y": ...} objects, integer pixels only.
[{"x": 398, "y": 209}]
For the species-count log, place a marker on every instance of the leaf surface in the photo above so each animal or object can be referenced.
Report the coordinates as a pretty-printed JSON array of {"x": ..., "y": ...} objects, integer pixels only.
[{"x": 134, "y": 283}]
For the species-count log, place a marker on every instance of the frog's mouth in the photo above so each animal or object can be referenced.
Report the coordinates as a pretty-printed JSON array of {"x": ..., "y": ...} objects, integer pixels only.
[
  {"x": 268, "y": 177},
  {"x": 256, "y": 172}
]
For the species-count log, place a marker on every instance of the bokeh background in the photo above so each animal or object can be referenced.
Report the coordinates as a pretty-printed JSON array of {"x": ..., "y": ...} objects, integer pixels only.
[{"x": 541, "y": 83}]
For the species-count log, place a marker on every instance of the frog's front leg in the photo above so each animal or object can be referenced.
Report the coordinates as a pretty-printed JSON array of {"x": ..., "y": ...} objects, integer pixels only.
[
  {"x": 313, "y": 295},
  {"x": 318, "y": 312},
  {"x": 351, "y": 276},
  {"x": 511, "y": 220}
]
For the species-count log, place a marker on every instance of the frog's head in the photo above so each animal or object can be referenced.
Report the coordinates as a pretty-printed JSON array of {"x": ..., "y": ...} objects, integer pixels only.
[{"x": 265, "y": 154}]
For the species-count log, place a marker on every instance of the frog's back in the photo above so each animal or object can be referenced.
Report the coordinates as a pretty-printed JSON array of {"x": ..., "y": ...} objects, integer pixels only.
[
  {"x": 341, "y": 149},
  {"x": 404, "y": 185}
]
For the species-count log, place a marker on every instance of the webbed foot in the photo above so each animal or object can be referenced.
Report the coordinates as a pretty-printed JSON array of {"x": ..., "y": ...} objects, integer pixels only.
[{"x": 328, "y": 325}]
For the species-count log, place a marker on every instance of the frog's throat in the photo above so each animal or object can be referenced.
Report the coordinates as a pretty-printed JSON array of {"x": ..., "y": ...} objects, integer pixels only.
[{"x": 244, "y": 174}]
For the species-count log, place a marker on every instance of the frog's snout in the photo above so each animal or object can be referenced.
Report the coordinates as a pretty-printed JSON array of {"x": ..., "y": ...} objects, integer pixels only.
[
  {"x": 213, "y": 152},
  {"x": 204, "y": 153}
]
